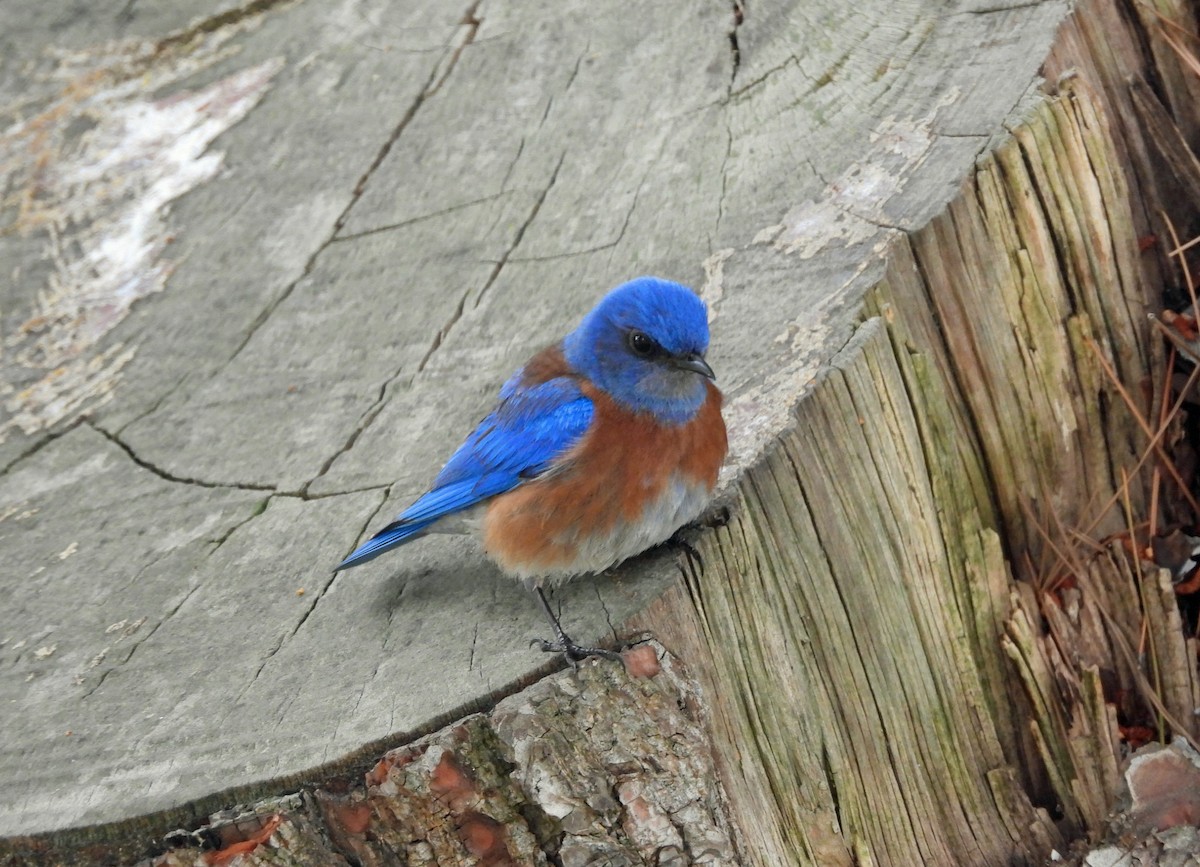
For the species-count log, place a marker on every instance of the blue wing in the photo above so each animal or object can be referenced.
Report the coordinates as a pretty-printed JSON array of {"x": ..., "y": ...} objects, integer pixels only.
[{"x": 521, "y": 439}]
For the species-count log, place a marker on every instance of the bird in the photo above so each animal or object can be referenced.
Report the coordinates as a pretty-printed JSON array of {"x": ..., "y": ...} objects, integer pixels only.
[{"x": 602, "y": 446}]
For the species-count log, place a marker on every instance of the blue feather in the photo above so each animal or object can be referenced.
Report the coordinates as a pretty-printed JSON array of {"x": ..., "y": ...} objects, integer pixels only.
[
  {"x": 531, "y": 429},
  {"x": 391, "y": 536}
]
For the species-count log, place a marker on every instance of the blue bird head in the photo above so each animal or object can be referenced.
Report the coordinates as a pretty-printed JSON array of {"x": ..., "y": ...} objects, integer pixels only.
[{"x": 644, "y": 344}]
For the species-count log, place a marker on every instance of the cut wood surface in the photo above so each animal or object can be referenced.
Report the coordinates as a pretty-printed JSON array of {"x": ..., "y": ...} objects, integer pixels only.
[{"x": 270, "y": 265}]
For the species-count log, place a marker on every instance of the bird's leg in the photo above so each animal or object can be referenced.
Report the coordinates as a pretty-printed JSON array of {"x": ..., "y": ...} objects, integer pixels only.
[{"x": 563, "y": 643}]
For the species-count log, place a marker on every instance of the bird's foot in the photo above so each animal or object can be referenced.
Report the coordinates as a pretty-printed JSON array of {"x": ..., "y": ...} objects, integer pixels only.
[
  {"x": 715, "y": 516},
  {"x": 682, "y": 544},
  {"x": 574, "y": 652},
  {"x": 681, "y": 539},
  {"x": 564, "y": 644}
]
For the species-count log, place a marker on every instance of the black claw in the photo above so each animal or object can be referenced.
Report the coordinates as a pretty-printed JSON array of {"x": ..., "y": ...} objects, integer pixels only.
[
  {"x": 564, "y": 644},
  {"x": 713, "y": 517},
  {"x": 718, "y": 516},
  {"x": 573, "y": 651},
  {"x": 679, "y": 541}
]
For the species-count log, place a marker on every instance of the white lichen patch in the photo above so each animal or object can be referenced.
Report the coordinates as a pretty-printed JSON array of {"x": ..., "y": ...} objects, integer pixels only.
[
  {"x": 756, "y": 415},
  {"x": 93, "y": 174},
  {"x": 122, "y": 629},
  {"x": 713, "y": 290},
  {"x": 125, "y": 627},
  {"x": 851, "y": 209}
]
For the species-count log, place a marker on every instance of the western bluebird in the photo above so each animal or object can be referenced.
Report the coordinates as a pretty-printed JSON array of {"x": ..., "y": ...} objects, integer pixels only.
[{"x": 601, "y": 446}]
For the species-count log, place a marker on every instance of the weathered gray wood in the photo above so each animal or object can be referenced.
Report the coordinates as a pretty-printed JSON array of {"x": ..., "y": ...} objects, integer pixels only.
[{"x": 413, "y": 199}]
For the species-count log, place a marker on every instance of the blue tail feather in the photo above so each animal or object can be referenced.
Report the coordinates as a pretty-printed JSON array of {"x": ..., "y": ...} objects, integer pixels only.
[{"x": 391, "y": 536}]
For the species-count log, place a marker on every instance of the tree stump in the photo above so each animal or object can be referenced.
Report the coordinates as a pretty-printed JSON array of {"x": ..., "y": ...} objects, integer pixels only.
[{"x": 269, "y": 265}]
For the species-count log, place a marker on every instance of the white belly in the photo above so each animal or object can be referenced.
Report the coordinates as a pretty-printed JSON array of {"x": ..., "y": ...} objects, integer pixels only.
[{"x": 679, "y": 504}]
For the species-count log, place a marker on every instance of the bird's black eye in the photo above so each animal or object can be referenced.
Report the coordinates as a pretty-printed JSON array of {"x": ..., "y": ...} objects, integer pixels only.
[{"x": 641, "y": 345}]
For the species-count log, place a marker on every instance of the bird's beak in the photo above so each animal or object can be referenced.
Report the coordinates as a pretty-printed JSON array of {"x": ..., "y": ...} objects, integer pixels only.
[{"x": 694, "y": 363}]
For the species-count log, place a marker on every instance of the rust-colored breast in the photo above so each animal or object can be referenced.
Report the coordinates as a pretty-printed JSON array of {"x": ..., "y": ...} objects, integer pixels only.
[{"x": 622, "y": 467}]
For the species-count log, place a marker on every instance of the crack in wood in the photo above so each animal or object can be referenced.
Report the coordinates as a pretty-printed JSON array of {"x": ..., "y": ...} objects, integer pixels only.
[
  {"x": 352, "y": 715},
  {"x": 40, "y": 444},
  {"x": 432, "y": 84},
  {"x": 472, "y": 22},
  {"x": 442, "y": 333},
  {"x": 516, "y": 242},
  {"x": 373, "y": 411},
  {"x": 1062, "y": 260},
  {"x": 316, "y": 599},
  {"x": 512, "y": 165},
  {"x": 224, "y": 537},
  {"x": 604, "y": 607},
  {"x": 992, "y": 10},
  {"x": 154, "y": 407},
  {"x": 750, "y": 85},
  {"x": 184, "y": 39},
  {"x": 739, "y": 15},
  {"x": 724, "y": 181},
  {"x": 432, "y": 215},
  {"x": 166, "y": 474},
  {"x": 587, "y": 47},
  {"x": 370, "y": 519},
  {"x": 469, "y": 27},
  {"x": 153, "y": 629},
  {"x": 471, "y": 656},
  {"x": 364, "y": 421},
  {"x": 608, "y": 245}
]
